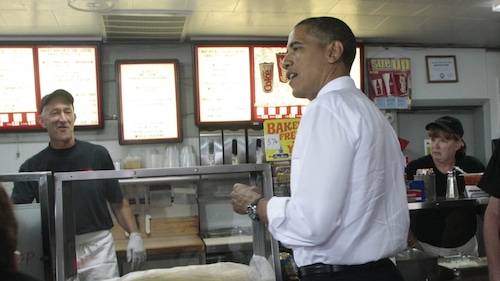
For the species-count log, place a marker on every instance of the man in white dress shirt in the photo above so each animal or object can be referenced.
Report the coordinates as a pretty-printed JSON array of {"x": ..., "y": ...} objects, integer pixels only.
[{"x": 348, "y": 213}]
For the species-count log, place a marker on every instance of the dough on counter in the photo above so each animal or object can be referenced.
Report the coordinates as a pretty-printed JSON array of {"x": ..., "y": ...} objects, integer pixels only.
[{"x": 222, "y": 271}]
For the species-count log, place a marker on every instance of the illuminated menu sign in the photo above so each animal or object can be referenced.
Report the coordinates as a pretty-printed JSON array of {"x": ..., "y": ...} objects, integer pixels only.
[
  {"x": 149, "y": 101},
  {"x": 223, "y": 84},
  {"x": 73, "y": 69},
  {"x": 27, "y": 73},
  {"x": 234, "y": 87},
  {"x": 18, "y": 107},
  {"x": 273, "y": 97}
]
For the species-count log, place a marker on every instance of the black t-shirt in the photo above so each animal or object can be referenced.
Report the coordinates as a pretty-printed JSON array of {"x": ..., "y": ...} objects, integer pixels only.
[
  {"x": 445, "y": 227},
  {"x": 90, "y": 196},
  {"x": 490, "y": 181}
]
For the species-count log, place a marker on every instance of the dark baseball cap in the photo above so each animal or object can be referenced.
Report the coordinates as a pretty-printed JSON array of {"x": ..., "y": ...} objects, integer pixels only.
[
  {"x": 449, "y": 124},
  {"x": 57, "y": 93}
]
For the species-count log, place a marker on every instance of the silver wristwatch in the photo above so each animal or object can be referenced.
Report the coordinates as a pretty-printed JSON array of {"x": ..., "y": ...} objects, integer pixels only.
[{"x": 252, "y": 209}]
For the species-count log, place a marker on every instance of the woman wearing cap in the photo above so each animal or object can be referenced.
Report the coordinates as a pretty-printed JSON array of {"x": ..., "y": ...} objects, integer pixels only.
[{"x": 445, "y": 231}]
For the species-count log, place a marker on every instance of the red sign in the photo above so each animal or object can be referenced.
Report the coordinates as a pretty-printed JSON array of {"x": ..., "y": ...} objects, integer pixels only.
[{"x": 389, "y": 82}]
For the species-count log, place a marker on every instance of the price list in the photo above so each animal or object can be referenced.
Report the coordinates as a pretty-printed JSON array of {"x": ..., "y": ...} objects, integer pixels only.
[
  {"x": 74, "y": 69},
  {"x": 273, "y": 98},
  {"x": 17, "y": 88},
  {"x": 223, "y": 88},
  {"x": 149, "y": 102}
]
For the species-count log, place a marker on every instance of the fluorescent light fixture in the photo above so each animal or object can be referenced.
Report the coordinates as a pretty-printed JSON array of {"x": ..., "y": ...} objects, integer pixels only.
[
  {"x": 32, "y": 38},
  {"x": 92, "y": 5},
  {"x": 150, "y": 12},
  {"x": 496, "y": 6}
]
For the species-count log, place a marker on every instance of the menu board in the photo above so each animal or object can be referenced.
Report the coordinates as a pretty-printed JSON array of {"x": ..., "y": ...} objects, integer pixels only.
[
  {"x": 149, "y": 101},
  {"x": 74, "y": 69},
  {"x": 27, "y": 73},
  {"x": 18, "y": 106},
  {"x": 248, "y": 84},
  {"x": 273, "y": 98},
  {"x": 223, "y": 84},
  {"x": 357, "y": 68}
]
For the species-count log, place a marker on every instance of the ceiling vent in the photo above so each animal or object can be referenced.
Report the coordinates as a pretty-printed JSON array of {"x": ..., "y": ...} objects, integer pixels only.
[{"x": 143, "y": 26}]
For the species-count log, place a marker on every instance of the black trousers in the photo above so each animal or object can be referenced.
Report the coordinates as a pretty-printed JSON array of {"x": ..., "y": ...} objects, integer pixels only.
[{"x": 385, "y": 270}]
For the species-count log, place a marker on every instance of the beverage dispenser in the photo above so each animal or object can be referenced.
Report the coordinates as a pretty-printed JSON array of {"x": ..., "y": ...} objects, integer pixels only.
[
  {"x": 211, "y": 148},
  {"x": 234, "y": 146},
  {"x": 255, "y": 146}
]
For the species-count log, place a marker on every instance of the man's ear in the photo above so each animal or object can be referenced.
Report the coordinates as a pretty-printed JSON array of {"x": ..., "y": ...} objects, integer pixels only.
[
  {"x": 336, "y": 50},
  {"x": 41, "y": 121}
]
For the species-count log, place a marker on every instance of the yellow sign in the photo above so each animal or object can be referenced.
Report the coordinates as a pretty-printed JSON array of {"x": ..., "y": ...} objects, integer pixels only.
[{"x": 279, "y": 137}]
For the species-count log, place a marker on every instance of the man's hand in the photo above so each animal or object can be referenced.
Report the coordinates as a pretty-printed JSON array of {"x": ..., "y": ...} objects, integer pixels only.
[
  {"x": 136, "y": 253},
  {"x": 243, "y": 195}
]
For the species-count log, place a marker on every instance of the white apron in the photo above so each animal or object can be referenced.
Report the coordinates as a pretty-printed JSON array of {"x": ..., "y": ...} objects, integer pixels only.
[{"x": 96, "y": 256}]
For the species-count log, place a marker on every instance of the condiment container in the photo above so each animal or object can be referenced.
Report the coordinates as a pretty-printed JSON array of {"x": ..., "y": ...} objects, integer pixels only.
[
  {"x": 430, "y": 187},
  {"x": 451, "y": 186},
  {"x": 417, "y": 265},
  {"x": 133, "y": 162},
  {"x": 472, "y": 178}
]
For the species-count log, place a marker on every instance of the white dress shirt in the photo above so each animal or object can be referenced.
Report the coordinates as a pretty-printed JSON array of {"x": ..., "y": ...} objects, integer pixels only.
[{"x": 348, "y": 199}]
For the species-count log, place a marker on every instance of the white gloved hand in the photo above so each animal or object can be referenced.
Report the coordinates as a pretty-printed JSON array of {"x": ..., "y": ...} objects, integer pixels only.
[{"x": 136, "y": 253}]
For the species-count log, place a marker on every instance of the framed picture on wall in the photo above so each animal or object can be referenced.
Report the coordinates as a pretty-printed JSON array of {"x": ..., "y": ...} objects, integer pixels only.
[
  {"x": 441, "y": 69},
  {"x": 148, "y": 94}
]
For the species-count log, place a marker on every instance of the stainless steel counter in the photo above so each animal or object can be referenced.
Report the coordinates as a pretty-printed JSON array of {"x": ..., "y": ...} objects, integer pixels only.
[{"x": 443, "y": 203}]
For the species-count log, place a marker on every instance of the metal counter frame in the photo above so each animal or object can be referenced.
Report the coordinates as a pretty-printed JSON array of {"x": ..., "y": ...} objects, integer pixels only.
[
  {"x": 444, "y": 203},
  {"x": 64, "y": 225},
  {"x": 46, "y": 195}
]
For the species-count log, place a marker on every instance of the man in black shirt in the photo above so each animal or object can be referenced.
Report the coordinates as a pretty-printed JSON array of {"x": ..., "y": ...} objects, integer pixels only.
[
  {"x": 490, "y": 182},
  {"x": 95, "y": 249}
]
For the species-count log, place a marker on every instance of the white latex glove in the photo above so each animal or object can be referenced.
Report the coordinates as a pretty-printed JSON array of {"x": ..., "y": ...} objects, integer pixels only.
[{"x": 136, "y": 253}]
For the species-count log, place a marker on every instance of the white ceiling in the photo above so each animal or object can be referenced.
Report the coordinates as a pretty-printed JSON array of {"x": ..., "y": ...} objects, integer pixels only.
[{"x": 461, "y": 23}]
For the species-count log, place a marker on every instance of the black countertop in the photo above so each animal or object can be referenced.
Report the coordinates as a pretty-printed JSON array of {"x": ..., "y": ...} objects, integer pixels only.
[{"x": 443, "y": 203}]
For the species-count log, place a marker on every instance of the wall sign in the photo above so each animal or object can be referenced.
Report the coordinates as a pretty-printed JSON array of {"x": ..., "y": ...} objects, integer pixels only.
[
  {"x": 279, "y": 137},
  {"x": 390, "y": 82},
  {"x": 238, "y": 85},
  {"x": 441, "y": 69},
  {"x": 223, "y": 84},
  {"x": 149, "y": 101},
  {"x": 272, "y": 96},
  {"x": 18, "y": 103},
  {"x": 74, "y": 69},
  {"x": 28, "y": 73}
]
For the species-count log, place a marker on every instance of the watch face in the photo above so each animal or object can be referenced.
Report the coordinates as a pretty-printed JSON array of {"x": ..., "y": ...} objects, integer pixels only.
[{"x": 252, "y": 212}]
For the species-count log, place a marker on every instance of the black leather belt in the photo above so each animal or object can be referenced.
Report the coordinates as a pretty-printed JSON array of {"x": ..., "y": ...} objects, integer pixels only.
[{"x": 320, "y": 268}]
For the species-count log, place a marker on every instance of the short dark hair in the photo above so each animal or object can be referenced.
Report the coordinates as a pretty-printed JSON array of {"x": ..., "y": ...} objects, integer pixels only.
[
  {"x": 8, "y": 231},
  {"x": 328, "y": 29}
]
